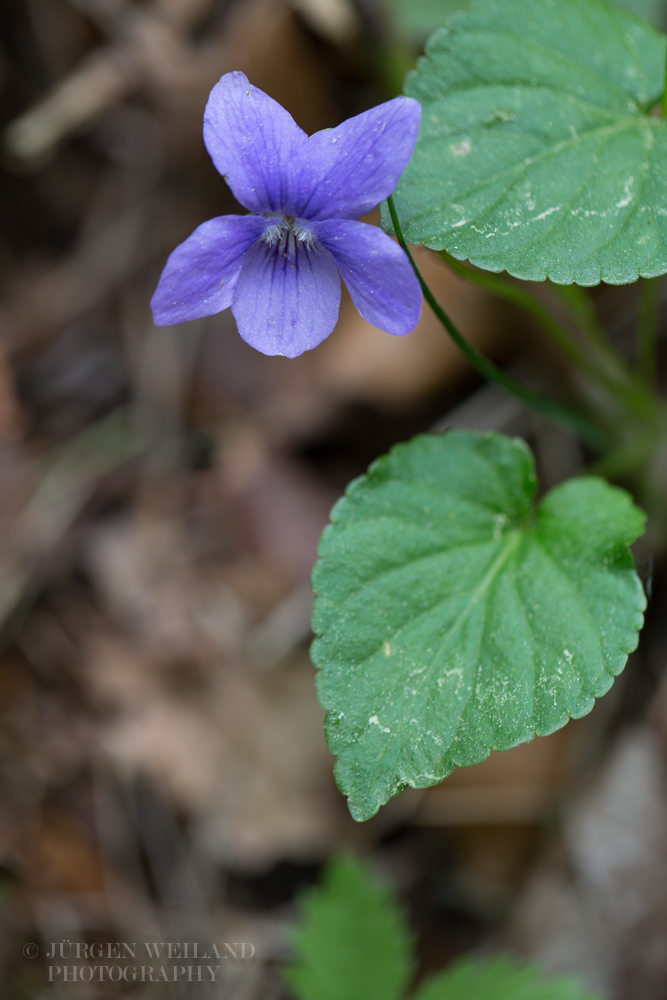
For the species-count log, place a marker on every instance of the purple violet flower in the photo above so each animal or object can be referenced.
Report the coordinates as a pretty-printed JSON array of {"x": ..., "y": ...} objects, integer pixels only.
[{"x": 278, "y": 268}]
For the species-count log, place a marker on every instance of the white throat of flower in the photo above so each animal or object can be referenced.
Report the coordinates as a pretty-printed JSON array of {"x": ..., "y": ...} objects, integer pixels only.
[{"x": 287, "y": 230}]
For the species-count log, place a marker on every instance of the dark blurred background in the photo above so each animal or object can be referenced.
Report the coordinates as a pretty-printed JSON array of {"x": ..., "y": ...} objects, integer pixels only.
[{"x": 162, "y": 765}]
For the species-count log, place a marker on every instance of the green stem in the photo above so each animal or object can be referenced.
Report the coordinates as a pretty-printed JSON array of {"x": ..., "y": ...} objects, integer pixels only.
[
  {"x": 618, "y": 381},
  {"x": 504, "y": 290},
  {"x": 647, "y": 329},
  {"x": 625, "y": 459},
  {"x": 551, "y": 408},
  {"x": 581, "y": 306}
]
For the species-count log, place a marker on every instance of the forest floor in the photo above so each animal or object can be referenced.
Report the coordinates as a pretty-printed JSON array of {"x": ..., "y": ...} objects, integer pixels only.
[{"x": 163, "y": 769}]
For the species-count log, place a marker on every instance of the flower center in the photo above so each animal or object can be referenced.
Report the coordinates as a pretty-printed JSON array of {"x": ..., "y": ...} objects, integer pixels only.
[{"x": 286, "y": 229}]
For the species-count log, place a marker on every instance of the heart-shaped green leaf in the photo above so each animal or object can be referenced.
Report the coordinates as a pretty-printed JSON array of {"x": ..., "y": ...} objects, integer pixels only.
[
  {"x": 538, "y": 151},
  {"x": 454, "y": 618}
]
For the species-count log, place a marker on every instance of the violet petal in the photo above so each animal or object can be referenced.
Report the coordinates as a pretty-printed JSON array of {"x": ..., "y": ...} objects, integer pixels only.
[
  {"x": 252, "y": 141},
  {"x": 345, "y": 171},
  {"x": 378, "y": 274},
  {"x": 201, "y": 273},
  {"x": 287, "y": 297}
]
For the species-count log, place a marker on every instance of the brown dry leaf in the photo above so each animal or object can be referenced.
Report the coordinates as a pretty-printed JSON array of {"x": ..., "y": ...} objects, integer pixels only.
[
  {"x": 288, "y": 512},
  {"x": 61, "y": 485},
  {"x": 12, "y": 419},
  {"x": 156, "y": 579},
  {"x": 494, "y": 811},
  {"x": 60, "y": 859},
  {"x": 141, "y": 567},
  {"x": 276, "y": 799},
  {"x": 153, "y": 48},
  {"x": 514, "y": 787},
  {"x": 243, "y": 753},
  {"x": 336, "y": 20},
  {"x": 604, "y": 912}
]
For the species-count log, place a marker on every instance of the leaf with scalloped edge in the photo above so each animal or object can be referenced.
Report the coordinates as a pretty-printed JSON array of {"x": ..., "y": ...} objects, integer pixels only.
[
  {"x": 352, "y": 940},
  {"x": 455, "y": 617},
  {"x": 538, "y": 151}
]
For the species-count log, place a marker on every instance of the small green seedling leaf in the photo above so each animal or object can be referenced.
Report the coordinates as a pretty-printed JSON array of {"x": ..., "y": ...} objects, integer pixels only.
[
  {"x": 453, "y": 617},
  {"x": 499, "y": 979},
  {"x": 538, "y": 151},
  {"x": 352, "y": 941}
]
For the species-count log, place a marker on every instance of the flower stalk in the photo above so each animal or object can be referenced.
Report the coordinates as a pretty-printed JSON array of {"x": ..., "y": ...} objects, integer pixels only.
[{"x": 549, "y": 407}]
